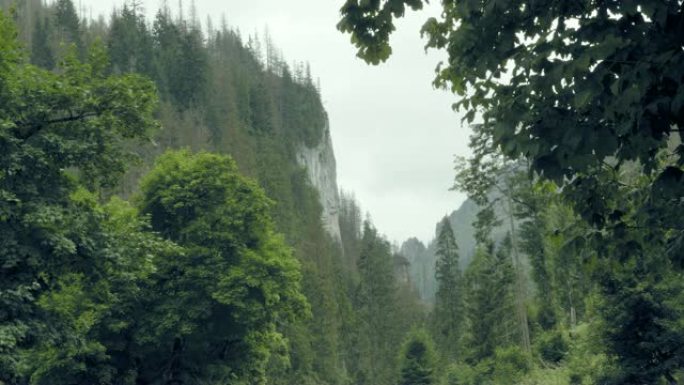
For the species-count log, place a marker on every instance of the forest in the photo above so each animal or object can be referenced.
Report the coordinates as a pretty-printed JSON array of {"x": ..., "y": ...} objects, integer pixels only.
[{"x": 160, "y": 223}]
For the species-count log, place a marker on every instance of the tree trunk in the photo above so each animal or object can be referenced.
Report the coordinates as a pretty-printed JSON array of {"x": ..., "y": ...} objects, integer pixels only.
[{"x": 520, "y": 284}]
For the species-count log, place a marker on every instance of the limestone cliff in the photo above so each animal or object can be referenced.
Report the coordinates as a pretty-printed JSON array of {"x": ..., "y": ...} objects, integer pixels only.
[{"x": 321, "y": 168}]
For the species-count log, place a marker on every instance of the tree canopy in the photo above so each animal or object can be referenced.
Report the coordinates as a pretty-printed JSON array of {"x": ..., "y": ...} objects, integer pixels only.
[
  {"x": 57, "y": 130},
  {"x": 237, "y": 279},
  {"x": 566, "y": 84},
  {"x": 591, "y": 93}
]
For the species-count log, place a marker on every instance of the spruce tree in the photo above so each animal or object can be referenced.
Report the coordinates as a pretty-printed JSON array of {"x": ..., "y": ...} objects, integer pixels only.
[
  {"x": 130, "y": 43},
  {"x": 490, "y": 309},
  {"x": 41, "y": 51},
  {"x": 417, "y": 360},
  {"x": 68, "y": 24},
  {"x": 182, "y": 59},
  {"x": 376, "y": 302},
  {"x": 449, "y": 297}
]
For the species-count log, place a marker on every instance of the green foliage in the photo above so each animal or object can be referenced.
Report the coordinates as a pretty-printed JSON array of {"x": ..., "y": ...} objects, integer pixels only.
[
  {"x": 94, "y": 317},
  {"x": 376, "y": 303},
  {"x": 153, "y": 311},
  {"x": 449, "y": 314},
  {"x": 370, "y": 24},
  {"x": 489, "y": 302},
  {"x": 130, "y": 44},
  {"x": 507, "y": 366},
  {"x": 645, "y": 332},
  {"x": 67, "y": 24},
  {"x": 41, "y": 52},
  {"x": 535, "y": 71},
  {"x": 417, "y": 360},
  {"x": 460, "y": 374},
  {"x": 552, "y": 346},
  {"x": 237, "y": 279},
  {"x": 76, "y": 120},
  {"x": 182, "y": 61},
  {"x": 511, "y": 364},
  {"x": 350, "y": 227}
]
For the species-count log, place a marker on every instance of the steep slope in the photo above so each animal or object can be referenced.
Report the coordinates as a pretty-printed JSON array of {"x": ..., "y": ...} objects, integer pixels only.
[
  {"x": 321, "y": 168},
  {"x": 219, "y": 93},
  {"x": 223, "y": 95}
]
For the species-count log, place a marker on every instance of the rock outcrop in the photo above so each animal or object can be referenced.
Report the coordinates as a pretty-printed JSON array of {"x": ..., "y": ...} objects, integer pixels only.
[{"x": 321, "y": 168}]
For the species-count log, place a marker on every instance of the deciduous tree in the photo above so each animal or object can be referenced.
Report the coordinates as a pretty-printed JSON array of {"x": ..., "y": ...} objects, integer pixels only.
[{"x": 56, "y": 130}]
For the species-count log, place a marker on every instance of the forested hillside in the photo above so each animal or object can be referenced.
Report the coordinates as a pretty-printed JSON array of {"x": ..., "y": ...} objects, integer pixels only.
[
  {"x": 157, "y": 225},
  {"x": 169, "y": 213}
]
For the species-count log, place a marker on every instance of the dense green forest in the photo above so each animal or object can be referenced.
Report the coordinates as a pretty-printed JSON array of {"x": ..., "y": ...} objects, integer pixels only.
[{"x": 158, "y": 227}]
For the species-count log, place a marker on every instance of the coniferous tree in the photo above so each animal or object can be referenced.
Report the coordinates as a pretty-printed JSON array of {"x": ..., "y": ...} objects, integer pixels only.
[
  {"x": 130, "y": 43},
  {"x": 182, "y": 61},
  {"x": 376, "y": 303},
  {"x": 351, "y": 223},
  {"x": 449, "y": 298},
  {"x": 490, "y": 306},
  {"x": 67, "y": 24},
  {"x": 418, "y": 360},
  {"x": 41, "y": 51}
]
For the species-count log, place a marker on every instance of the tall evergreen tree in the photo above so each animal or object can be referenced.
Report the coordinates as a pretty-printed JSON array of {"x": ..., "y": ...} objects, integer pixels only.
[
  {"x": 449, "y": 298},
  {"x": 376, "y": 303},
  {"x": 417, "y": 360},
  {"x": 67, "y": 24},
  {"x": 182, "y": 61},
  {"x": 129, "y": 43},
  {"x": 490, "y": 303},
  {"x": 42, "y": 54},
  {"x": 350, "y": 228}
]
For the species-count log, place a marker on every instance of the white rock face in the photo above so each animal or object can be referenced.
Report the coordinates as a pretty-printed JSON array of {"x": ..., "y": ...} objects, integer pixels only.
[{"x": 322, "y": 170}]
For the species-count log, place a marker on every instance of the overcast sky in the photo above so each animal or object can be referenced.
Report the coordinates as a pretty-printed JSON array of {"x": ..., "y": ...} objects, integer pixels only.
[{"x": 395, "y": 137}]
